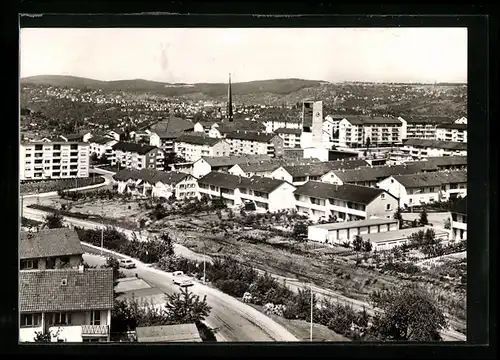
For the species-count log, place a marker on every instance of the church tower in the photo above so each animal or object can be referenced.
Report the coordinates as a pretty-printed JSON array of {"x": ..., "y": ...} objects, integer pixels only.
[{"x": 229, "y": 113}]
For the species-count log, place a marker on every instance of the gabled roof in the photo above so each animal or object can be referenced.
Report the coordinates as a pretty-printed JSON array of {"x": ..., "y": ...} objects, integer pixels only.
[
  {"x": 322, "y": 168},
  {"x": 43, "y": 290},
  {"x": 460, "y": 206},
  {"x": 218, "y": 161},
  {"x": 453, "y": 126},
  {"x": 172, "y": 125},
  {"x": 436, "y": 144},
  {"x": 438, "y": 162},
  {"x": 228, "y": 181},
  {"x": 376, "y": 173},
  {"x": 118, "y": 131},
  {"x": 373, "y": 120},
  {"x": 250, "y": 136},
  {"x": 288, "y": 131},
  {"x": 72, "y": 137},
  {"x": 198, "y": 140},
  {"x": 140, "y": 149},
  {"x": 437, "y": 178},
  {"x": 168, "y": 135},
  {"x": 352, "y": 193},
  {"x": 168, "y": 333},
  {"x": 262, "y": 166},
  {"x": 151, "y": 176},
  {"x": 101, "y": 140},
  {"x": 424, "y": 119},
  {"x": 48, "y": 243}
]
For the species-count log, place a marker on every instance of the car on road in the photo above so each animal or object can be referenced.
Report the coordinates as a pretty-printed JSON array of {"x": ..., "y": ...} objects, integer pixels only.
[
  {"x": 127, "y": 264},
  {"x": 181, "y": 279}
]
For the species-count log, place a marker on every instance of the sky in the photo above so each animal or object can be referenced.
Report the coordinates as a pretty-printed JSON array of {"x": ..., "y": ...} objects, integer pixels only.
[{"x": 193, "y": 55}]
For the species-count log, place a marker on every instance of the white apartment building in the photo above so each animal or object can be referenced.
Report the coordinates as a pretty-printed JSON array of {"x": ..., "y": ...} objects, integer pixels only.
[
  {"x": 291, "y": 137},
  {"x": 53, "y": 160},
  {"x": 458, "y": 217},
  {"x": 206, "y": 164},
  {"x": 452, "y": 132},
  {"x": 424, "y": 188},
  {"x": 137, "y": 156},
  {"x": 331, "y": 125},
  {"x": 358, "y": 131},
  {"x": 319, "y": 200},
  {"x": 422, "y": 127},
  {"x": 273, "y": 125},
  {"x": 266, "y": 194},
  {"x": 73, "y": 305},
  {"x": 193, "y": 147},
  {"x": 252, "y": 143},
  {"x": 204, "y": 126},
  {"x": 421, "y": 148},
  {"x": 164, "y": 140},
  {"x": 102, "y": 146}
]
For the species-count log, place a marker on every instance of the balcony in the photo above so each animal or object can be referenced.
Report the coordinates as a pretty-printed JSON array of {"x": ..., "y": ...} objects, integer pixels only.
[{"x": 96, "y": 330}]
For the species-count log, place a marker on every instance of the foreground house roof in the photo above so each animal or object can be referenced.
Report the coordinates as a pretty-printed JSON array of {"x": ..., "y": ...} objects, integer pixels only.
[
  {"x": 322, "y": 168},
  {"x": 49, "y": 243},
  {"x": 347, "y": 192},
  {"x": 65, "y": 290},
  {"x": 228, "y": 181}
]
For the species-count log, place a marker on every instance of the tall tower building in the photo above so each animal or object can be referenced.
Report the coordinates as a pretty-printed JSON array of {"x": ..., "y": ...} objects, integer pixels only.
[
  {"x": 312, "y": 124},
  {"x": 229, "y": 113}
]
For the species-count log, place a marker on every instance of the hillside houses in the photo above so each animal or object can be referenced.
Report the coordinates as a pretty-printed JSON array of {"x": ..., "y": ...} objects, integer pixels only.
[
  {"x": 265, "y": 193},
  {"x": 424, "y": 188},
  {"x": 154, "y": 183},
  {"x": 319, "y": 200}
]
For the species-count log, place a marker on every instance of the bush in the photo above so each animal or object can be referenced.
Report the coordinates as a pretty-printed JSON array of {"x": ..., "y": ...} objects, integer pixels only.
[
  {"x": 236, "y": 288},
  {"x": 342, "y": 319},
  {"x": 57, "y": 185},
  {"x": 401, "y": 267}
]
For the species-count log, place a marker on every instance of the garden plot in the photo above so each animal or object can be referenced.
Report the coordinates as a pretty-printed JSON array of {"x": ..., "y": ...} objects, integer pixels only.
[{"x": 437, "y": 219}]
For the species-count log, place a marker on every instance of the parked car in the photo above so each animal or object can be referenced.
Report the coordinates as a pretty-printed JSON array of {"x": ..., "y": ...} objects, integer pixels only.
[
  {"x": 127, "y": 264},
  {"x": 181, "y": 279}
]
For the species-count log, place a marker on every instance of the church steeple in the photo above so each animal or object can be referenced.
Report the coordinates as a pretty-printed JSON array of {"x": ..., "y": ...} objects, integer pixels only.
[{"x": 229, "y": 114}]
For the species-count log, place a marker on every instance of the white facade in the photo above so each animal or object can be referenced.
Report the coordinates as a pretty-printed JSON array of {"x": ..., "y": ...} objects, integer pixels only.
[
  {"x": 355, "y": 134},
  {"x": 421, "y": 152},
  {"x": 154, "y": 159},
  {"x": 102, "y": 149},
  {"x": 290, "y": 140},
  {"x": 458, "y": 229},
  {"x": 193, "y": 152},
  {"x": 166, "y": 144},
  {"x": 421, "y": 131},
  {"x": 273, "y": 125},
  {"x": 247, "y": 146},
  {"x": 77, "y": 327},
  {"x": 462, "y": 120},
  {"x": 53, "y": 160},
  {"x": 451, "y": 134},
  {"x": 387, "y": 241}
]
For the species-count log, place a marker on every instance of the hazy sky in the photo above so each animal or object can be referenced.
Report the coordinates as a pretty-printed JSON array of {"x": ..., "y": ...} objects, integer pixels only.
[{"x": 208, "y": 55}]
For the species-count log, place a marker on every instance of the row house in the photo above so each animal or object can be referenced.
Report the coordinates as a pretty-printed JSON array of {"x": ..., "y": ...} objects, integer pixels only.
[
  {"x": 137, "y": 156},
  {"x": 72, "y": 305},
  {"x": 50, "y": 249},
  {"x": 272, "y": 168},
  {"x": 458, "y": 217},
  {"x": 204, "y": 126},
  {"x": 291, "y": 137},
  {"x": 319, "y": 200},
  {"x": 266, "y": 194},
  {"x": 274, "y": 124},
  {"x": 193, "y": 147},
  {"x": 424, "y": 188},
  {"x": 155, "y": 183},
  {"x": 43, "y": 160},
  {"x": 245, "y": 142},
  {"x": 452, "y": 132},
  {"x": 102, "y": 146},
  {"x": 421, "y": 148},
  {"x": 360, "y": 131},
  {"x": 206, "y": 164}
]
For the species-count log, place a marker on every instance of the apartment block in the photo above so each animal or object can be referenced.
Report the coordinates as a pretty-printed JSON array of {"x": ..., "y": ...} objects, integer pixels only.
[
  {"x": 53, "y": 160},
  {"x": 452, "y": 132},
  {"x": 458, "y": 217},
  {"x": 421, "y": 148},
  {"x": 137, "y": 156},
  {"x": 253, "y": 143},
  {"x": 274, "y": 124},
  {"x": 291, "y": 137},
  {"x": 102, "y": 146},
  {"x": 360, "y": 131},
  {"x": 319, "y": 200},
  {"x": 193, "y": 147}
]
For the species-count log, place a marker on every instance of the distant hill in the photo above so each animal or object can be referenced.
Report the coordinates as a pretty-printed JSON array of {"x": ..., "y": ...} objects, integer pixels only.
[{"x": 275, "y": 86}]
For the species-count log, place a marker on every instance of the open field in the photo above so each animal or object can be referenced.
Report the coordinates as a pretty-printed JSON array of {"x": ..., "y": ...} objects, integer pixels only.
[{"x": 264, "y": 247}]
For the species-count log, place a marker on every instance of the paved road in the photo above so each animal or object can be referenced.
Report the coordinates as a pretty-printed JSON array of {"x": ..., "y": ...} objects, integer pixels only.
[{"x": 233, "y": 320}]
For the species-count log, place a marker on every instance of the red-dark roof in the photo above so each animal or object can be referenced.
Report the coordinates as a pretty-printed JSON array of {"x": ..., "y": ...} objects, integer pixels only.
[
  {"x": 353, "y": 193},
  {"x": 49, "y": 243}
]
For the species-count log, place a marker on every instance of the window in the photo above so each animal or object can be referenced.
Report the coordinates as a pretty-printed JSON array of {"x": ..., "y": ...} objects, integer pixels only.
[
  {"x": 382, "y": 196},
  {"x": 57, "y": 147},
  {"x": 27, "y": 155},
  {"x": 30, "y": 320},
  {"x": 61, "y": 319},
  {"x": 74, "y": 146},
  {"x": 388, "y": 207},
  {"x": 27, "y": 264},
  {"x": 95, "y": 317}
]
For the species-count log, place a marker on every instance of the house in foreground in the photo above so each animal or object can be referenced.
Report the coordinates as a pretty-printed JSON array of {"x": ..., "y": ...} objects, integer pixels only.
[
  {"x": 168, "y": 333},
  {"x": 388, "y": 240},
  {"x": 72, "y": 305},
  {"x": 50, "y": 249},
  {"x": 458, "y": 216}
]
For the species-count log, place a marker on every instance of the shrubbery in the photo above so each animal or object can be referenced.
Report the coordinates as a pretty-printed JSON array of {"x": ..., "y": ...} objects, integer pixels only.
[
  {"x": 57, "y": 185},
  {"x": 101, "y": 194}
]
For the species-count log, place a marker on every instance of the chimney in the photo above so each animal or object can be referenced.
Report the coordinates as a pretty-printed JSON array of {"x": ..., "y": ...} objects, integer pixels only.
[
  {"x": 81, "y": 268},
  {"x": 239, "y": 179}
]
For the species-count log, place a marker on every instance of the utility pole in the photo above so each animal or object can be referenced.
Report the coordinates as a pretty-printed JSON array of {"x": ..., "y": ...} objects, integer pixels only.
[
  {"x": 204, "y": 262},
  {"x": 102, "y": 229},
  {"x": 312, "y": 306}
]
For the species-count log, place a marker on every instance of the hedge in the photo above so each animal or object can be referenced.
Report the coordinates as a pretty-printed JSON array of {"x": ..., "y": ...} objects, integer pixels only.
[{"x": 56, "y": 185}]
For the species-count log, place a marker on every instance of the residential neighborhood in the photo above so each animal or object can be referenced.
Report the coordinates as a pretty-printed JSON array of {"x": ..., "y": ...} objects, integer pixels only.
[{"x": 242, "y": 211}]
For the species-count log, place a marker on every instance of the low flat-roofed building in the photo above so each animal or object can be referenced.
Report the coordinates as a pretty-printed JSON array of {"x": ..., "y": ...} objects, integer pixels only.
[
  {"x": 168, "y": 333},
  {"x": 340, "y": 232},
  {"x": 387, "y": 240}
]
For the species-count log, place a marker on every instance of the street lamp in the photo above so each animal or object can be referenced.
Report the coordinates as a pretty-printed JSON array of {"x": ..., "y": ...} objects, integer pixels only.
[
  {"x": 204, "y": 262},
  {"x": 312, "y": 306},
  {"x": 102, "y": 229}
]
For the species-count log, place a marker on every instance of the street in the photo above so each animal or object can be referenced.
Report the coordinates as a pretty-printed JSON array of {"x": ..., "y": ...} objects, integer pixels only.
[{"x": 233, "y": 320}]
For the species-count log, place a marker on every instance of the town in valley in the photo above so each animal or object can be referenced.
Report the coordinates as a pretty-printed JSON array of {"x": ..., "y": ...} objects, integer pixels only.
[{"x": 267, "y": 210}]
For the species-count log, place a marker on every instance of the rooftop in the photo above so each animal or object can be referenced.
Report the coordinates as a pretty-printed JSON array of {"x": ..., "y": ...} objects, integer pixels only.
[
  {"x": 217, "y": 161},
  {"x": 250, "y": 136},
  {"x": 376, "y": 173},
  {"x": 229, "y": 181},
  {"x": 373, "y": 120},
  {"x": 321, "y": 168},
  {"x": 151, "y": 176},
  {"x": 172, "y": 125},
  {"x": 198, "y": 140},
  {"x": 140, "y": 149},
  {"x": 436, "y": 144},
  {"x": 168, "y": 333},
  {"x": 48, "y": 243},
  {"x": 453, "y": 126},
  {"x": 101, "y": 140},
  {"x": 347, "y": 192},
  {"x": 400, "y": 234},
  {"x": 437, "y": 178},
  {"x": 288, "y": 131},
  {"x": 65, "y": 290},
  {"x": 354, "y": 224}
]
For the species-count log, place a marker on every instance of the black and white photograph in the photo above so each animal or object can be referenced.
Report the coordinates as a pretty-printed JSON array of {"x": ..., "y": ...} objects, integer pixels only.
[{"x": 243, "y": 184}]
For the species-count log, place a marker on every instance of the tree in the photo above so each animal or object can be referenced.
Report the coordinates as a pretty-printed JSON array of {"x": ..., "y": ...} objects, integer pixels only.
[
  {"x": 398, "y": 215},
  {"x": 169, "y": 250},
  {"x": 357, "y": 243},
  {"x": 367, "y": 246},
  {"x": 408, "y": 314},
  {"x": 447, "y": 224},
  {"x": 368, "y": 142},
  {"x": 299, "y": 231},
  {"x": 54, "y": 220},
  {"x": 423, "y": 218},
  {"x": 185, "y": 307}
]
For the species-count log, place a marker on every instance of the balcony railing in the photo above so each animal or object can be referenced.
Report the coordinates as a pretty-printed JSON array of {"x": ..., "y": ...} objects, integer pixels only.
[{"x": 95, "y": 329}]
